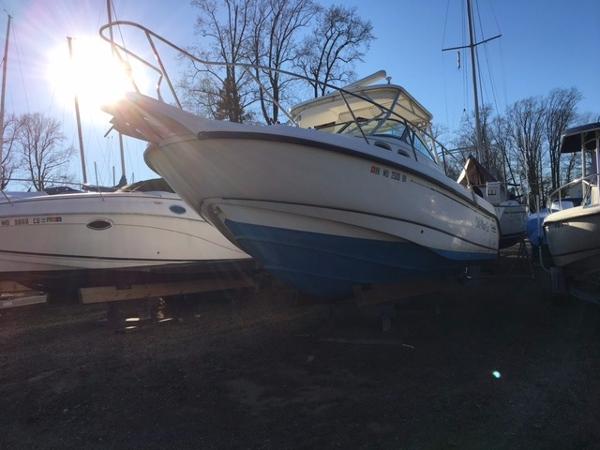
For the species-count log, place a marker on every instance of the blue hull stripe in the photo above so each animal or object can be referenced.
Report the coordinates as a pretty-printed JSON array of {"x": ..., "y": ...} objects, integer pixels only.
[
  {"x": 329, "y": 266},
  {"x": 356, "y": 211}
]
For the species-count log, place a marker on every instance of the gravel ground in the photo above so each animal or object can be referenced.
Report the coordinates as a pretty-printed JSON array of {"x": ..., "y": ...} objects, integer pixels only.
[{"x": 268, "y": 371}]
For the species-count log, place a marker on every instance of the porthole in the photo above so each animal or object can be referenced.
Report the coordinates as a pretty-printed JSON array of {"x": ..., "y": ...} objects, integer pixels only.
[
  {"x": 177, "y": 209},
  {"x": 99, "y": 225}
]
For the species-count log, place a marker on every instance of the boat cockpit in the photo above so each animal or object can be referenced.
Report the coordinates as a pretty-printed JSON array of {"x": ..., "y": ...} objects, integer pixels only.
[
  {"x": 583, "y": 140},
  {"x": 385, "y": 115}
]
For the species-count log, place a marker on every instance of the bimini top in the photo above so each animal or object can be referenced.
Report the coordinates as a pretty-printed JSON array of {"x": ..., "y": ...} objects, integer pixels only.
[
  {"x": 331, "y": 109},
  {"x": 571, "y": 141}
]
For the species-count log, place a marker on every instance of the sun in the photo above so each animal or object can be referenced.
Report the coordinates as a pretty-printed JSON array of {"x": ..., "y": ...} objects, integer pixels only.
[{"x": 93, "y": 73}]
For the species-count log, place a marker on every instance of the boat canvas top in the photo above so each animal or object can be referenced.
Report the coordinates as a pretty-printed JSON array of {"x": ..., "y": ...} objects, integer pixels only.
[
  {"x": 333, "y": 108},
  {"x": 571, "y": 141}
]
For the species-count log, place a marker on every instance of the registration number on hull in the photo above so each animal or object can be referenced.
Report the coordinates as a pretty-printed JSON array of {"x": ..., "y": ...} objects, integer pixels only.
[
  {"x": 30, "y": 221},
  {"x": 386, "y": 173}
]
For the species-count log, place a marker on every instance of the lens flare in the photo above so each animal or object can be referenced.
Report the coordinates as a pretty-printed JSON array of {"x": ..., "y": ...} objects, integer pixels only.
[{"x": 93, "y": 73}]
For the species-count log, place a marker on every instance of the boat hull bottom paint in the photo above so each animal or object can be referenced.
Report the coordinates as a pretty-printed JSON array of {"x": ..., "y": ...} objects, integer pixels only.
[{"x": 330, "y": 266}]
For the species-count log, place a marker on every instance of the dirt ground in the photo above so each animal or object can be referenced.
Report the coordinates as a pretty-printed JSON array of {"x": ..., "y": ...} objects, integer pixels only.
[{"x": 267, "y": 371}]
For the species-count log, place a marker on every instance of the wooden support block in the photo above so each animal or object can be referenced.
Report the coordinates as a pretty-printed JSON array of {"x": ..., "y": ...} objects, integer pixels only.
[
  {"x": 104, "y": 294},
  {"x": 23, "y": 300},
  {"x": 12, "y": 286}
]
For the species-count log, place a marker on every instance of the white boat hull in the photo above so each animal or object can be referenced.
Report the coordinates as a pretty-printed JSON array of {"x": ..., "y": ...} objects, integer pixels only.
[
  {"x": 306, "y": 191},
  {"x": 294, "y": 175},
  {"x": 55, "y": 234},
  {"x": 573, "y": 237},
  {"x": 513, "y": 222}
]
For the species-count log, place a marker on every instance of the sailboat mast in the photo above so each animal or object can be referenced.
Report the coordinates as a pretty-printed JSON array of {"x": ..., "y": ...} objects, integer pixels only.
[
  {"x": 110, "y": 30},
  {"x": 78, "y": 118},
  {"x": 3, "y": 96},
  {"x": 473, "y": 49}
]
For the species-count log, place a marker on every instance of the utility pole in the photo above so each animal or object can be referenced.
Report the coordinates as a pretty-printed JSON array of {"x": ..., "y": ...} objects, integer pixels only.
[
  {"x": 110, "y": 30},
  {"x": 2, "y": 98},
  {"x": 78, "y": 117}
]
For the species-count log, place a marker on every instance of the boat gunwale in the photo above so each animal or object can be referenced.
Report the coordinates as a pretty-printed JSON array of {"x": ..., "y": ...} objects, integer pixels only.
[{"x": 584, "y": 214}]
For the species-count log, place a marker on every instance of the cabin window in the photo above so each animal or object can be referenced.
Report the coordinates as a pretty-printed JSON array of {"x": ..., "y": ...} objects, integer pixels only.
[
  {"x": 391, "y": 128},
  {"x": 383, "y": 145},
  {"x": 177, "y": 209},
  {"x": 99, "y": 225}
]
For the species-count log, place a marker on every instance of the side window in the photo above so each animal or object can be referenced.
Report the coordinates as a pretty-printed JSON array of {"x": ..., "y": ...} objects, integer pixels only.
[{"x": 421, "y": 148}]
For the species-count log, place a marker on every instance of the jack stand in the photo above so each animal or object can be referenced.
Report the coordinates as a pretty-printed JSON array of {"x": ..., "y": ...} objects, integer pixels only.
[
  {"x": 559, "y": 283},
  {"x": 387, "y": 312}
]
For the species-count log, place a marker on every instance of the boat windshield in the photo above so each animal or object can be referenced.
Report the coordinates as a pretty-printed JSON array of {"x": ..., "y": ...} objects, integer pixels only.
[
  {"x": 383, "y": 127},
  {"x": 372, "y": 127}
]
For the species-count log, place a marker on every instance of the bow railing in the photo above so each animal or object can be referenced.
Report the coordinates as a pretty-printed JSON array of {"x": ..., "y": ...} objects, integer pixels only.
[
  {"x": 587, "y": 183},
  {"x": 162, "y": 75}
]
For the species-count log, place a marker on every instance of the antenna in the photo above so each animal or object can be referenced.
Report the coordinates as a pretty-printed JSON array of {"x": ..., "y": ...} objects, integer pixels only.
[{"x": 3, "y": 96}]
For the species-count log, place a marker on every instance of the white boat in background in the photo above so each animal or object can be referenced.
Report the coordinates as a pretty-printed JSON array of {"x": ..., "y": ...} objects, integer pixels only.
[
  {"x": 113, "y": 236},
  {"x": 573, "y": 234},
  {"x": 512, "y": 215},
  {"x": 352, "y": 196}
]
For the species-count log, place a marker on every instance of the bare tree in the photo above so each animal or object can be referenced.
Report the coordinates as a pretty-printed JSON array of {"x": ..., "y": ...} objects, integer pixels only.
[
  {"x": 9, "y": 162},
  {"x": 273, "y": 43},
  {"x": 490, "y": 155},
  {"x": 560, "y": 111},
  {"x": 223, "y": 92},
  {"x": 40, "y": 142},
  {"x": 339, "y": 39},
  {"x": 502, "y": 145},
  {"x": 525, "y": 120}
]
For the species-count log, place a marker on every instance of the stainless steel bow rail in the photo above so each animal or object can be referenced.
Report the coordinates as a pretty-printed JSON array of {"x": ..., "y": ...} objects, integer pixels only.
[
  {"x": 162, "y": 74},
  {"x": 586, "y": 182}
]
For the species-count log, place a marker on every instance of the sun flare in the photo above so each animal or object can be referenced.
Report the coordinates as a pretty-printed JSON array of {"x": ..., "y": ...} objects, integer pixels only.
[{"x": 93, "y": 73}]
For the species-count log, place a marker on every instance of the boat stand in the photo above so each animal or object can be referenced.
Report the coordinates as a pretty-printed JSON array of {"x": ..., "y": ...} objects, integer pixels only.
[
  {"x": 13, "y": 295},
  {"x": 514, "y": 262},
  {"x": 385, "y": 298},
  {"x": 147, "y": 303},
  {"x": 565, "y": 290}
]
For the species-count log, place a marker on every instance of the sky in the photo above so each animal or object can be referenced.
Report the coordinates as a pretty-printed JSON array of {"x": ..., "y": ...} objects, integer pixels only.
[{"x": 545, "y": 44}]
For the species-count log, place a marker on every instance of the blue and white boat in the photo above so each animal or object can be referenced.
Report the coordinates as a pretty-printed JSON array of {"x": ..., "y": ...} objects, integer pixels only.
[{"x": 353, "y": 195}]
